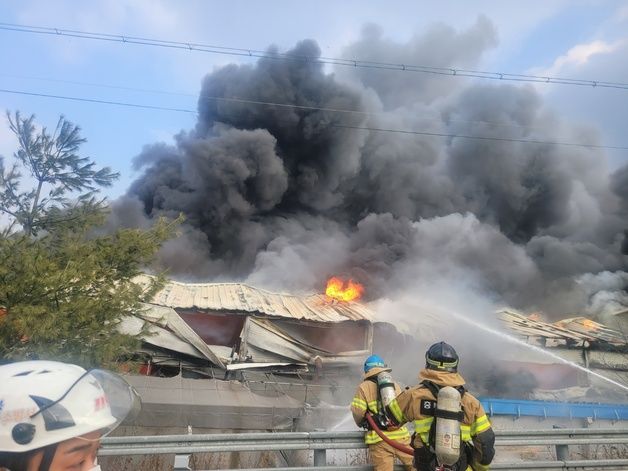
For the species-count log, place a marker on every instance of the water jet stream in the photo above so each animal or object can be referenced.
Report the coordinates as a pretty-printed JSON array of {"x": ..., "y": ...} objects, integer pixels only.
[{"x": 517, "y": 341}]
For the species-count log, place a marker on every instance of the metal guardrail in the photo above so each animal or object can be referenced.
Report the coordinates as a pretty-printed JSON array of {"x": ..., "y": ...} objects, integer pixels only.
[
  {"x": 320, "y": 442},
  {"x": 620, "y": 465}
]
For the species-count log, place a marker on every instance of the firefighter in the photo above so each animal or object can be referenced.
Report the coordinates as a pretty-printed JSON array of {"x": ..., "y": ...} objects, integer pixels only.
[
  {"x": 53, "y": 415},
  {"x": 418, "y": 404},
  {"x": 381, "y": 454}
]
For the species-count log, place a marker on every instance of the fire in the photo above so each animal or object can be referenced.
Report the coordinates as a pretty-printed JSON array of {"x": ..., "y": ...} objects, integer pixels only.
[
  {"x": 340, "y": 290},
  {"x": 589, "y": 324}
]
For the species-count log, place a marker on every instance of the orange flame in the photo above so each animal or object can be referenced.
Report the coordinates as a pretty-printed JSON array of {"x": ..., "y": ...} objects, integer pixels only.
[
  {"x": 589, "y": 324},
  {"x": 338, "y": 289}
]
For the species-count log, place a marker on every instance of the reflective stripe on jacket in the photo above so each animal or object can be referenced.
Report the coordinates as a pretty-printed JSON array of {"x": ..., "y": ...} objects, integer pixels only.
[
  {"x": 366, "y": 399},
  {"x": 407, "y": 407}
]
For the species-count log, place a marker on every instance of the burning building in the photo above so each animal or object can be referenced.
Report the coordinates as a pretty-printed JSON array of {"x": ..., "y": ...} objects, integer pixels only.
[
  {"x": 228, "y": 355},
  {"x": 237, "y": 327},
  {"x": 232, "y": 356}
]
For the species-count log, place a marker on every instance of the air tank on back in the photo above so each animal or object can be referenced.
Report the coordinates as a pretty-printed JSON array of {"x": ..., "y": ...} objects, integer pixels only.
[{"x": 447, "y": 434}]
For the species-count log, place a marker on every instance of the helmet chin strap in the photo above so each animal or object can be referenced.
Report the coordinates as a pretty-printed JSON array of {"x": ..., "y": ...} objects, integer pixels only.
[{"x": 49, "y": 454}]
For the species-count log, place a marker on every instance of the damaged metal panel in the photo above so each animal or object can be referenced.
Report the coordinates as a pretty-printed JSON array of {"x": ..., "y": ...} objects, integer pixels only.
[
  {"x": 157, "y": 336},
  {"x": 266, "y": 342},
  {"x": 168, "y": 318},
  {"x": 262, "y": 335},
  {"x": 330, "y": 339}
]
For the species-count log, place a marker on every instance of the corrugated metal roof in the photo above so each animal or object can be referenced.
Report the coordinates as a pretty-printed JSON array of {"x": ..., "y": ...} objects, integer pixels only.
[
  {"x": 244, "y": 298},
  {"x": 592, "y": 330},
  {"x": 578, "y": 329}
]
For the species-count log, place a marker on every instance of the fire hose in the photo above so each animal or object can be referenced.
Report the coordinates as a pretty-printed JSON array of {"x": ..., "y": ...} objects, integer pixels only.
[{"x": 393, "y": 443}]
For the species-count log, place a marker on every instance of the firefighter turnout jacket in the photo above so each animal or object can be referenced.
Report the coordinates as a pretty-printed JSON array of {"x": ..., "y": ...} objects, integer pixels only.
[
  {"x": 414, "y": 405},
  {"x": 366, "y": 400}
]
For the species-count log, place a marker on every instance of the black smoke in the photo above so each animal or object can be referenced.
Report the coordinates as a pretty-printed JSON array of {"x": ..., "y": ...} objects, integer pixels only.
[
  {"x": 284, "y": 196},
  {"x": 503, "y": 382}
]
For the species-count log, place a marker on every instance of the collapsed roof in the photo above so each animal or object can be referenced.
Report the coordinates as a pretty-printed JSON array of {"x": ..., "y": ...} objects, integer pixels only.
[
  {"x": 235, "y": 326},
  {"x": 572, "y": 332}
]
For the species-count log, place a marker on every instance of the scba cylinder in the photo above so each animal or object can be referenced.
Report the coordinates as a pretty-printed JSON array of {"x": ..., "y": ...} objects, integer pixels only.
[
  {"x": 447, "y": 431},
  {"x": 386, "y": 387}
]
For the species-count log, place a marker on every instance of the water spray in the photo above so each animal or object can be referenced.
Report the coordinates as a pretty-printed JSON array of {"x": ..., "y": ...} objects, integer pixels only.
[{"x": 513, "y": 339}]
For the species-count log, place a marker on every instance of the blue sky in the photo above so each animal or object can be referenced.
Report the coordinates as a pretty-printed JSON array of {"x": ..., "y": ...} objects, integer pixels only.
[{"x": 581, "y": 39}]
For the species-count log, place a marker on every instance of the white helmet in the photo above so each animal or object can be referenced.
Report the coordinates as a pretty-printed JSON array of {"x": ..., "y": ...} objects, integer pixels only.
[{"x": 47, "y": 402}]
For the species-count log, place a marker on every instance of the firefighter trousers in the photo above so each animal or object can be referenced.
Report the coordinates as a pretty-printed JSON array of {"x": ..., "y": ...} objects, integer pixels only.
[{"x": 382, "y": 457}]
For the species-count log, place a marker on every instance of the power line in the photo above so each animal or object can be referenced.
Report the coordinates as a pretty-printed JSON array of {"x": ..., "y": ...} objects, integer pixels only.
[
  {"x": 483, "y": 138},
  {"x": 235, "y": 99},
  {"x": 356, "y": 63},
  {"x": 94, "y": 100},
  {"x": 374, "y": 129}
]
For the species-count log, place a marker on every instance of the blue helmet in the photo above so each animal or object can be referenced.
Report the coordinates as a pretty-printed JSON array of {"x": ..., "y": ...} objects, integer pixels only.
[{"x": 374, "y": 361}]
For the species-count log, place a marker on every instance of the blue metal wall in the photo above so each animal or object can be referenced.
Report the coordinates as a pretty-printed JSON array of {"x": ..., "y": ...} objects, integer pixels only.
[{"x": 521, "y": 408}]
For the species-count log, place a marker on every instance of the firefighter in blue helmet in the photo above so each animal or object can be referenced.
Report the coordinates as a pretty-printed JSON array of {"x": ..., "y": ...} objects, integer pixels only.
[
  {"x": 473, "y": 439},
  {"x": 367, "y": 398}
]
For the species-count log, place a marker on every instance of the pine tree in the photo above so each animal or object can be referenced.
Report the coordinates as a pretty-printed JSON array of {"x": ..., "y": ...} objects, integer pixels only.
[
  {"x": 52, "y": 163},
  {"x": 64, "y": 294},
  {"x": 65, "y": 284}
]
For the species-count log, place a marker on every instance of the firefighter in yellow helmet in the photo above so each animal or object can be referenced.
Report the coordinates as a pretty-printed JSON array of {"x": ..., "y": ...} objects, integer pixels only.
[
  {"x": 367, "y": 398},
  {"x": 476, "y": 443}
]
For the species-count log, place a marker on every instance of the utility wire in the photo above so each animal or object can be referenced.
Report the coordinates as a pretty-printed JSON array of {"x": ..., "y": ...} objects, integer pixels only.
[
  {"x": 94, "y": 100},
  {"x": 483, "y": 138},
  {"x": 400, "y": 131},
  {"x": 235, "y": 99},
  {"x": 356, "y": 63}
]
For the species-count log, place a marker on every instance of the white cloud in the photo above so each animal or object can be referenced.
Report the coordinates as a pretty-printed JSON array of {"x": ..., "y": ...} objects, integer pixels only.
[
  {"x": 602, "y": 108},
  {"x": 580, "y": 55}
]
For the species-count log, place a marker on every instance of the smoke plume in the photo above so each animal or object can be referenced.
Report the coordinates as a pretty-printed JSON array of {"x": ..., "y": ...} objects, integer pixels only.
[{"x": 284, "y": 196}]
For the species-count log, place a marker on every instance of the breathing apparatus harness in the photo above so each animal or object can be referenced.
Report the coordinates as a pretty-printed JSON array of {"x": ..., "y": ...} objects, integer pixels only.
[
  {"x": 385, "y": 394},
  {"x": 381, "y": 421},
  {"x": 445, "y": 449}
]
